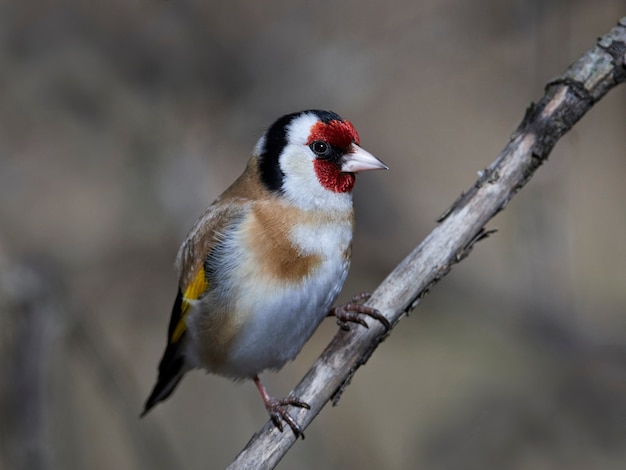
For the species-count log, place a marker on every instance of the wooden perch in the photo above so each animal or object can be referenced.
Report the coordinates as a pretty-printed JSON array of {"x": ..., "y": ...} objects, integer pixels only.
[{"x": 566, "y": 100}]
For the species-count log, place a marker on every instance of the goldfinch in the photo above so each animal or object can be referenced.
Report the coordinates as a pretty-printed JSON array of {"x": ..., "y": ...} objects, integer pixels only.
[{"x": 263, "y": 265}]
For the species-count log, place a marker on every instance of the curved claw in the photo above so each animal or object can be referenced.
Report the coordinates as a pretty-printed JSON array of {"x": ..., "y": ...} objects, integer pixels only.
[
  {"x": 278, "y": 413},
  {"x": 352, "y": 313}
]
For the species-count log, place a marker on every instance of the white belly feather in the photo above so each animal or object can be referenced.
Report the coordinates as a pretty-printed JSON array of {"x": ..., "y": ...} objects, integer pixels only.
[{"x": 285, "y": 316}]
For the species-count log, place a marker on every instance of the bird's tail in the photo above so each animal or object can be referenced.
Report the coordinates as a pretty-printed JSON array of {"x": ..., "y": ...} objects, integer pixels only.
[
  {"x": 172, "y": 366},
  {"x": 171, "y": 369}
]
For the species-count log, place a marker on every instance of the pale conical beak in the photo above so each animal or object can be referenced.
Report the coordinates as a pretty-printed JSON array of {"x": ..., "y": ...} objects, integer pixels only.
[{"x": 361, "y": 160}]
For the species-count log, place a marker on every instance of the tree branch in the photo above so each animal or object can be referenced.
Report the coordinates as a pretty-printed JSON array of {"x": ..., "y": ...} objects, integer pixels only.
[{"x": 566, "y": 100}]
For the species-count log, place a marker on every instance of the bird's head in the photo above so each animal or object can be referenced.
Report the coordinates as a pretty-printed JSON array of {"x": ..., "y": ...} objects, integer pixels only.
[{"x": 312, "y": 156}]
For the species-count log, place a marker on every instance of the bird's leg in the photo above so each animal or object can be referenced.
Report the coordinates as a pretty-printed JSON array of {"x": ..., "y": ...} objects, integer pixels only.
[
  {"x": 277, "y": 409},
  {"x": 353, "y": 311}
]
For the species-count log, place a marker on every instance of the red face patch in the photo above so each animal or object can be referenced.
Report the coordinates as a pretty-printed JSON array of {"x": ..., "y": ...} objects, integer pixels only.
[
  {"x": 331, "y": 177},
  {"x": 338, "y": 133}
]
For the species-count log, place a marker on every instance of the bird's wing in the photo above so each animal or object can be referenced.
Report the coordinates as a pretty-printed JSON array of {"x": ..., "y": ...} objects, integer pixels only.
[
  {"x": 197, "y": 277},
  {"x": 198, "y": 286},
  {"x": 196, "y": 259}
]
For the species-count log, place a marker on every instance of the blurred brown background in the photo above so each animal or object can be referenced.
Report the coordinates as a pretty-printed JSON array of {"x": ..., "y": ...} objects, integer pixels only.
[{"x": 121, "y": 120}]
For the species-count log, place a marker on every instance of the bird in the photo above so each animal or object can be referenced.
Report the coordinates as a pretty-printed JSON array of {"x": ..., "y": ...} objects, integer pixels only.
[{"x": 262, "y": 267}]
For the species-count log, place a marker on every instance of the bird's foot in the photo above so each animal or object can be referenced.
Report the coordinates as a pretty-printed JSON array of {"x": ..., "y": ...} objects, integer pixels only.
[
  {"x": 277, "y": 409},
  {"x": 353, "y": 311}
]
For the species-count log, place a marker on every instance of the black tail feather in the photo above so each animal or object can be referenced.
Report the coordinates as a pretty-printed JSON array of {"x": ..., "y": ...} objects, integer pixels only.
[
  {"x": 171, "y": 371},
  {"x": 172, "y": 366}
]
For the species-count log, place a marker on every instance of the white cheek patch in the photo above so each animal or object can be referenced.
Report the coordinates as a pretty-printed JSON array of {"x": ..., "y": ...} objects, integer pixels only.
[
  {"x": 300, "y": 182},
  {"x": 302, "y": 187}
]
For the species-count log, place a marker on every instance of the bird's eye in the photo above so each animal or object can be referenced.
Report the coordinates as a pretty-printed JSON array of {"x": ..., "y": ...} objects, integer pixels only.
[{"x": 320, "y": 148}]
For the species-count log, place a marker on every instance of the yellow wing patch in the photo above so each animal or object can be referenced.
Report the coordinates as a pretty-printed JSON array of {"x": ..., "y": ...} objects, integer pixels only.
[{"x": 194, "y": 290}]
